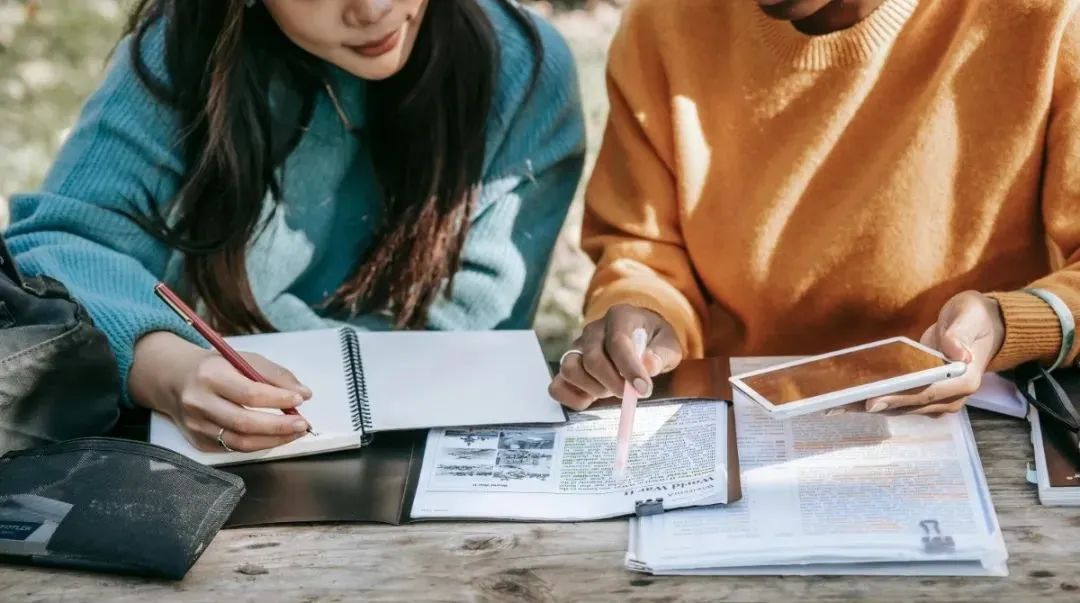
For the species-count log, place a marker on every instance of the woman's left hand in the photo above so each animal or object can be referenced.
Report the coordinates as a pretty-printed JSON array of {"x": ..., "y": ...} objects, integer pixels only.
[{"x": 969, "y": 329}]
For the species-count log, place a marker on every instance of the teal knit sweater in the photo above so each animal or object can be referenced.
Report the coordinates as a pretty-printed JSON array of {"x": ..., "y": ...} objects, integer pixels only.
[{"x": 125, "y": 148}]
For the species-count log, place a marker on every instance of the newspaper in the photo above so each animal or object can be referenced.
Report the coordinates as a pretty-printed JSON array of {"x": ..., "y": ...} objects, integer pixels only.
[
  {"x": 857, "y": 488},
  {"x": 564, "y": 472}
]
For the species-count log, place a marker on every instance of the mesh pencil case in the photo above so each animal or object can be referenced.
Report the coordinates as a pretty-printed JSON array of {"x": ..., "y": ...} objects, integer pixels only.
[{"x": 111, "y": 505}]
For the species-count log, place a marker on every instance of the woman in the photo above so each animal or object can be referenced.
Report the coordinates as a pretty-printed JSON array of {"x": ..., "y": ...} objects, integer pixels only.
[
  {"x": 797, "y": 176},
  {"x": 293, "y": 163}
]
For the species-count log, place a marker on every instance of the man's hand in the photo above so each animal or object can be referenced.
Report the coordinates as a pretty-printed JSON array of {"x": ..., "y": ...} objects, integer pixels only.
[{"x": 969, "y": 329}]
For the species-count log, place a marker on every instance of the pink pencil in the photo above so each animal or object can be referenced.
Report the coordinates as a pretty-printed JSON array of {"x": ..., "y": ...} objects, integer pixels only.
[{"x": 626, "y": 414}]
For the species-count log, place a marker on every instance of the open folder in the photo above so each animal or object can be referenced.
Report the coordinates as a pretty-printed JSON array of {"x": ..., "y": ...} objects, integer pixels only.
[
  {"x": 365, "y": 383},
  {"x": 684, "y": 454}
]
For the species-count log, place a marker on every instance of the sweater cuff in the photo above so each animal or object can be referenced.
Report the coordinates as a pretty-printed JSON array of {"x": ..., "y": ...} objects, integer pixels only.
[
  {"x": 1032, "y": 330},
  {"x": 666, "y": 301}
]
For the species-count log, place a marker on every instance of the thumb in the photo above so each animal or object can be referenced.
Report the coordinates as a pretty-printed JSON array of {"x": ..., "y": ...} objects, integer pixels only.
[
  {"x": 278, "y": 375},
  {"x": 960, "y": 334},
  {"x": 956, "y": 348}
]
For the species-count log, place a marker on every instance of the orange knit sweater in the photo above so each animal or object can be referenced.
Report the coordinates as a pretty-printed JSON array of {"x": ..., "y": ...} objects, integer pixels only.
[{"x": 770, "y": 192}]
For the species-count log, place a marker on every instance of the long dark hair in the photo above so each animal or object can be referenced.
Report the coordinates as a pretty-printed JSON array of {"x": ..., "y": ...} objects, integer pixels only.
[{"x": 426, "y": 132}]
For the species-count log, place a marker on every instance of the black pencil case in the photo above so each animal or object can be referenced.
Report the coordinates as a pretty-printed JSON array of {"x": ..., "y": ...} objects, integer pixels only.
[{"x": 111, "y": 505}]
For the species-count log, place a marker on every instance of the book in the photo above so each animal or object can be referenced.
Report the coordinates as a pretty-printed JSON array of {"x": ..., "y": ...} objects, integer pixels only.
[
  {"x": 1057, "y": 461},
  {"x": 365, "y": 383},
  {"x": 684, "y": 454},
  {"x": 857, "y": 493}
]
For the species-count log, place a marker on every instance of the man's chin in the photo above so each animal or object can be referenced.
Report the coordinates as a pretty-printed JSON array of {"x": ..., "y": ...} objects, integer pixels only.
[{"x": 791, "y": 10}]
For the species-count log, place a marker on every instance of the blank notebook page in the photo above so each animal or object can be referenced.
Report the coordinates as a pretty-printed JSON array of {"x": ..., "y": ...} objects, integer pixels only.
[
  {"x": 445, "y": 379},
  {"x": 317, "y": 360}
]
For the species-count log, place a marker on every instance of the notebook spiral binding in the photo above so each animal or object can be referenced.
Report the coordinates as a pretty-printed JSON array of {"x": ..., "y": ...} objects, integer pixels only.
[{"x": 360, "y": 408}]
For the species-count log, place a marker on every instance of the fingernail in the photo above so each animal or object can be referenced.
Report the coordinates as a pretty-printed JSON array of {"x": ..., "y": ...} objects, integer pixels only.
[
  {"x": 832, "y": 412},
  {"x": 641, "y": 386},
  {"x": 877, "y": 406},
  {"x": 300, "y": 426},
  {"x": 297, "y": 399},
  {"x": 305, "y": 391}
]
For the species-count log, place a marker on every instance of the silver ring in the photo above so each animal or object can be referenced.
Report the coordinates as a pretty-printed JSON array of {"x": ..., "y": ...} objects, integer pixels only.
[
  {"x": 570, "y": 353},
  {"x": 221, "y": 440}
]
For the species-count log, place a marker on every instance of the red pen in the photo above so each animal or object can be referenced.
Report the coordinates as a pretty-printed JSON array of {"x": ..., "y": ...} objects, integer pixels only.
[{"x": 227, "y": 352}]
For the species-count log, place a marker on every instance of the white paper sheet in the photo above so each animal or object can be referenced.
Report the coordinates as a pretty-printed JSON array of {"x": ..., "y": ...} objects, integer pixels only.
[{"x": 422, "y": 379}]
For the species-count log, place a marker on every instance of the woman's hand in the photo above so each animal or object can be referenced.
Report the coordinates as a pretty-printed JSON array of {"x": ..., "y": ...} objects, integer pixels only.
[
  {"x": 203, "y": 393},
  {"x": 603, "y": 358},
  {"x": 969, "y": 329}
]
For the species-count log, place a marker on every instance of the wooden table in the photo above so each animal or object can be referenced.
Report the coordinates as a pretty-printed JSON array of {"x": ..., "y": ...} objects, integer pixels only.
[{"x": 541, "y": 562}]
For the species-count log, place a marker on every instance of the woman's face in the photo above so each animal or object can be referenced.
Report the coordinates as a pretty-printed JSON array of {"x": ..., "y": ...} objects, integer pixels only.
[{"x": 371, "y": 39}]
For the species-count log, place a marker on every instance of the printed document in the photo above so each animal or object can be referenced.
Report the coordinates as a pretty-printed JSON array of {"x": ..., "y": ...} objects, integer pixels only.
[
  {"x": 564, "y": 472},
  {"x": 857, "y": 488}
]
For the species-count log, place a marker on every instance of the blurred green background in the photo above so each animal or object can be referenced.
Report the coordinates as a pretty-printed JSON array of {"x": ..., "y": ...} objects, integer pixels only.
[{"x": 53, "y": 53}]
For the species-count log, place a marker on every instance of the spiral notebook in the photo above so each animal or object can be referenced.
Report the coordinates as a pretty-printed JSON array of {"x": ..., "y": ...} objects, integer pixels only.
[
  {"x": 364, "y": 383},
  {"x": 521, "y": 473}
]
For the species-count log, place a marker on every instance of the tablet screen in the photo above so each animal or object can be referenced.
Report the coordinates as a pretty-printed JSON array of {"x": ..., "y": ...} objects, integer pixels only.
[{"x": 843, "y": 371}]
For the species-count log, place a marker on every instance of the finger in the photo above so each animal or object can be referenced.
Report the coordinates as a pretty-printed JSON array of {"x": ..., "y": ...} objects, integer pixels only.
[
  {"x": 225, "y": 381},
  {"x": 942, "y": 390},
  {"x": 204, "y": 436},
  {"x": 842, "y": 410},
  {"x": 197, "y": 426},
  {"x": 665, "y": 345},
  {"x": 930, "y": 337},
  {"x": 207, "y": 444},
  {"x": 595, "y": 360},
  {"x": 278, "y": 375},
  {"x": 619, "y": 346},
  {"x": 224, "y": 413},
  {"x": 965, "y": 328},
  {"x": 568, "y": 395},
  {"x": 200, "y": 433},
  {"x": 956, "y": 344},
  {"x": 252, "y": 443},
  {"x": 573, "y": 371},
  {"x": 940, "y": 408},
  {"x": 653, "y": 363}
]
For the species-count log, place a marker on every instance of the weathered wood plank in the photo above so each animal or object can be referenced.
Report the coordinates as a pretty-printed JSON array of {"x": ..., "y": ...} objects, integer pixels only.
[{"x": 542, "y": 562}]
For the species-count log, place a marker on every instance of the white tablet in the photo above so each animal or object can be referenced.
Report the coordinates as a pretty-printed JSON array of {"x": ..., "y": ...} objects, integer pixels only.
[{"x": 850, "y": 375}]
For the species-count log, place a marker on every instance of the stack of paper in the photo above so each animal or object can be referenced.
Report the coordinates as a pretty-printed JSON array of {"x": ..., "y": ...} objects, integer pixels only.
[{"x": 851, "y": 494}]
